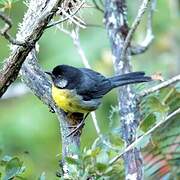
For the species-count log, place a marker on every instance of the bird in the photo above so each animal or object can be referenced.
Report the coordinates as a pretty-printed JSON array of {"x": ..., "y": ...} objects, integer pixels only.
[{"x": 80, "y": 90}]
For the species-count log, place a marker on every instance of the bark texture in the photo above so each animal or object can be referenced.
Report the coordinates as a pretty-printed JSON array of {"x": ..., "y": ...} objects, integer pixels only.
[{"x": 117, "y": 29}]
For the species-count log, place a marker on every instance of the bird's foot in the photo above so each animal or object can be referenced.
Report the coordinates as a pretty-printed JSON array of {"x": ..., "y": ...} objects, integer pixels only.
[{"x": 77, "y": 128}]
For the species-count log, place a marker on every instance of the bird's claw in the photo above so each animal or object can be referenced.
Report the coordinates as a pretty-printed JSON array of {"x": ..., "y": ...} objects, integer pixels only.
[{"x": 78, "y": 127}]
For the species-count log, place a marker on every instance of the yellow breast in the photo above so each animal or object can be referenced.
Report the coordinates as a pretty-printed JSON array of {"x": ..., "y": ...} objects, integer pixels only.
[{"x": 68, "y": 100}]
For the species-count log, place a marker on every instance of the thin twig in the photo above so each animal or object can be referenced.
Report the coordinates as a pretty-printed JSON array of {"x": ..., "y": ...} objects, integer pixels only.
[
  {"x": 77, "y": 128},
  {"x": 66, "y": 18},
  {"x": 78, "y": 19},
  {"x": 160, "y": 86},
  {"x": 6, "y": 28},
  {"x": 76, "y": 41},
  {"x": 139, "y": 49},
  {"x": 142, "y": 137},
  {"x": 97, "y": 6},
  {"x": 75, "y": 37},
  {"x": 134, "y": 26},
  {"x": 72, "y": 19},
  {"x": 95, "y": 122},
  {"x": 119, "y": 31}
]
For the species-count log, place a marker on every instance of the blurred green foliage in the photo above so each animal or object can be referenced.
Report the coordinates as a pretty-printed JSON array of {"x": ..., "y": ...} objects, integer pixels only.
[{"x": 31, "y": 133}]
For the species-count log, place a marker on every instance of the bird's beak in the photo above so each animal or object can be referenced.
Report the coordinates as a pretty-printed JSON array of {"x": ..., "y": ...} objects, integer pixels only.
[{"x": 49, "y": 73}]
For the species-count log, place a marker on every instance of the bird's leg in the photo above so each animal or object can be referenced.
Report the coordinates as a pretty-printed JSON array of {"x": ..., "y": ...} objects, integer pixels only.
[
  {"x": 74, "y": 119},
  {"x": 79, "y": 126}
]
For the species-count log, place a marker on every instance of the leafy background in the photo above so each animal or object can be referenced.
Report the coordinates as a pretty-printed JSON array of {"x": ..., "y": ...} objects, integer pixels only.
[{"x": 31, "y": 133}]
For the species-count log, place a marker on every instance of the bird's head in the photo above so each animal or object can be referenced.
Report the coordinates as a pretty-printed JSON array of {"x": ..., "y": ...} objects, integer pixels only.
[{"x": 64, "y": 76}]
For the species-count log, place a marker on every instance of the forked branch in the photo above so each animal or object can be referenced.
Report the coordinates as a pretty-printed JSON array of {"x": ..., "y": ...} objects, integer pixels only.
[{"x": 35, "y": 21}]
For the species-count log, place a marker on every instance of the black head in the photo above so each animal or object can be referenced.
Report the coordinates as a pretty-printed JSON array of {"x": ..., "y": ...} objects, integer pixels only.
[{"x": 64, "y": 76}]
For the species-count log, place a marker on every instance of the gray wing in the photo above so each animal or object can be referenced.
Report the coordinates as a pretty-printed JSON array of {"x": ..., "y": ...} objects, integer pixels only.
[{"x": 94, "y": 85}]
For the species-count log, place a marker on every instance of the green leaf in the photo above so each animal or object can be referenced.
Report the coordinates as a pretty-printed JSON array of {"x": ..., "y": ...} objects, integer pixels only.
[
  {"x": 164, "y": 150},
  {"x": 95, "y": 152},
  {"x": 43, "y": 176},
  {"x": 13, "y": 168},
  {"x": 174, "y": 101},
  {"x": 166, "y": 93},
  {"x": 87, "y": 157},
  {"x": 148, "y": 122},
  {"x": 109, "y": 170},
  {"x": 101, "y": 167},
  {"x": 156, "y": 106},
  {"x": 116, "y": 140},
  {"x": 71, "y": 160}
]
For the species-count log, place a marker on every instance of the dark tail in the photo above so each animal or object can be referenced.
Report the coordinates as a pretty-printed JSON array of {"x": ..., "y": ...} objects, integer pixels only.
[{"x": 129, "y": 78}]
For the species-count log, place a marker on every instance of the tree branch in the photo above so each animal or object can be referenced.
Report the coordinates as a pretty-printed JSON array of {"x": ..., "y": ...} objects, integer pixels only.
[
  {"x": 131, "y": 146},
  {"x": 38, "y": 15},
  {"x": 134, "y": 26},
  {"x": 160, "y": 86},
  {"x": 71, "y": 18},
  {"x": 120, "y": 39},
  {"x": 67, "y": 17},
  {"x": 35, "y": 20},
  {"x": 33, "y": 76},
  {"x": 139, "y": 49}
]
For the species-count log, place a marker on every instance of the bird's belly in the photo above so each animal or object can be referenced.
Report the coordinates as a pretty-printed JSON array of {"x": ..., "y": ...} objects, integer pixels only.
[{"x": 69, "y": 101}]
